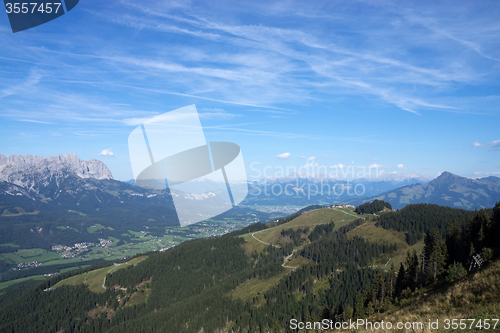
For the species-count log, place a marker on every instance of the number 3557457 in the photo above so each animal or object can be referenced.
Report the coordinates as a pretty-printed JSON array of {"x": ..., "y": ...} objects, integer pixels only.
[{"x": 32, "y": 8}]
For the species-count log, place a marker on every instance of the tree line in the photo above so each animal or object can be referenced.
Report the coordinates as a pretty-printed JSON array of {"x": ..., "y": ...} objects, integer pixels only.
[{"x": 372, "y": 207}]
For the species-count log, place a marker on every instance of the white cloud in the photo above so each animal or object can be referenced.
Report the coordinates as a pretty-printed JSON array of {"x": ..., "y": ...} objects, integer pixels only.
[
  {"x": 107, "y": 152},
  {"x": 495, "y": 143},
  {"x": 283, "y": 156},
  {"x": 375, "y": 166},
  {"x": 312, "y": 158},
  {"x": 487, "y": 173},
  {"x": 400, "y": 166},
  {"x": 311, "y": 165},
  {"x": 211, "y": 113}
]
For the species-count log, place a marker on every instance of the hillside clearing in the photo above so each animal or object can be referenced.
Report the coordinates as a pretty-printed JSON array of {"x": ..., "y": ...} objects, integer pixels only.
[{"x": 95, "y": 279}]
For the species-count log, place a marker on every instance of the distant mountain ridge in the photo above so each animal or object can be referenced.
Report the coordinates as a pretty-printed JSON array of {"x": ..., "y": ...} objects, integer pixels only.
[
  {"x": 302, "y": 189},
  {"x": 409, "y": 177},
  {"x": 446, "y": 190}
]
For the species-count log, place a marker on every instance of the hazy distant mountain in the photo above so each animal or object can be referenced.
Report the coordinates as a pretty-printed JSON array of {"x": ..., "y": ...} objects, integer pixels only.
[
  {"x": 410, "y": 177},
  {"x": 446, "y": 190},
  {"x": 307, "y": 189}
]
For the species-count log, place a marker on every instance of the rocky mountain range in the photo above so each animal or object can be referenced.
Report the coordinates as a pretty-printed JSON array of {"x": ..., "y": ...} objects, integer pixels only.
[
  {"x": 65, "y": 185},
  {"x": 37, "y": 172}
]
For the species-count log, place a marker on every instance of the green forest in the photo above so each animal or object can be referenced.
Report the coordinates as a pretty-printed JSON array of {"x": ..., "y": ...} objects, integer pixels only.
[{"x": 372, "y": 207}]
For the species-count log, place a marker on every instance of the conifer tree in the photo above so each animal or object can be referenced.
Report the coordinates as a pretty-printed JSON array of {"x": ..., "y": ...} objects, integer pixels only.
[
  {"x": 391, "y": 281},
  {"x": 369, "y": 309},
  {"x": 400, "y": 280}
]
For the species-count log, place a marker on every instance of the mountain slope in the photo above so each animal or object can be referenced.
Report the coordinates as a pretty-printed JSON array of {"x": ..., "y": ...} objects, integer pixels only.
[
  {"x": 475, "y": 297},
  {"x": 447, "y": 190}
]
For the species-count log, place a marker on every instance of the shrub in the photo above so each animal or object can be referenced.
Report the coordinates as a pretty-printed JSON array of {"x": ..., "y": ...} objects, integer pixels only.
[{"x": 455, "y": 272}]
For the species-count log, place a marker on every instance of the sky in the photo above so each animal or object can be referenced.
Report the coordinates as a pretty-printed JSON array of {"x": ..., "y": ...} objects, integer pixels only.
[{"x": 402, "y": 86}]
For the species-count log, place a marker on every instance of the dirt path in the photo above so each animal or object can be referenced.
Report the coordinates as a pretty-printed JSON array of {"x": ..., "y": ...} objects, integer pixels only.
[{"x": 104, "y": 282}]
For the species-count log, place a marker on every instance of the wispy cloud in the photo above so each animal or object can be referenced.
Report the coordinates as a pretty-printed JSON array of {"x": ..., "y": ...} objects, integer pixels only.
[
  {"x": 494, "y": 144},
  {"x": 357, "y": 70},
  {"x": 35, "y": 121},
  {"x": 25, "y": 87}
]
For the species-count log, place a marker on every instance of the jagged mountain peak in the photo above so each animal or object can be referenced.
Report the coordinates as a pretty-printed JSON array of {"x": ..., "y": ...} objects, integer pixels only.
[{"x": 28, "y": 170}]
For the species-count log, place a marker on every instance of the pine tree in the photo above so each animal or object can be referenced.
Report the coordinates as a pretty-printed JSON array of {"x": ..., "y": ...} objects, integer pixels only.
[
  {"x": 359, "y": 309},
  {"x": 391, "y": 281},
  {"x": 325, "y": 313},
  {"x": 495, "y": 226},
  {"x": 369, "y": 309},
  {"x": 277, "y": 328},
  {"x": 438, "y": 256},
  {"x": 453, "y": 240},
  {"x": 400, "y": 280},
  {"x": 412, "y": 270}
]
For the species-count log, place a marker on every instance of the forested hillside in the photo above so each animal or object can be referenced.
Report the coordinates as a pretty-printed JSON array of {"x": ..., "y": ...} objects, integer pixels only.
[
  {"x": 373, "y": 207},
  {"x": 418, "y": 219},
  {"x": 192, "y": 287}
]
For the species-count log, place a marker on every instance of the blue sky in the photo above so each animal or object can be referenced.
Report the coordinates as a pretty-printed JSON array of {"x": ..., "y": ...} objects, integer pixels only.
[{"x": 411, "y": 87}]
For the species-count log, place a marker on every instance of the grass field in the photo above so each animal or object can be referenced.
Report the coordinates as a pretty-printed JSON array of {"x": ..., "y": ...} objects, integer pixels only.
[
  {"x": 63, "y": 228},
  {"x": 96, "y": 227},
  {"x": 371, "y": 232},
  {"x": 29, "y": 255},
  {"x": 249, "y": 289},
  {"x": 259, "y": 240},
  {"x": 16, "y": 211},
  {"x": 69, "y": 269},
  {"x": 298, "y": 261},
  {"x": 95, "y": 279},
  {"x": 9, "y": 245},
  {"x": 6, "y": 284}
]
